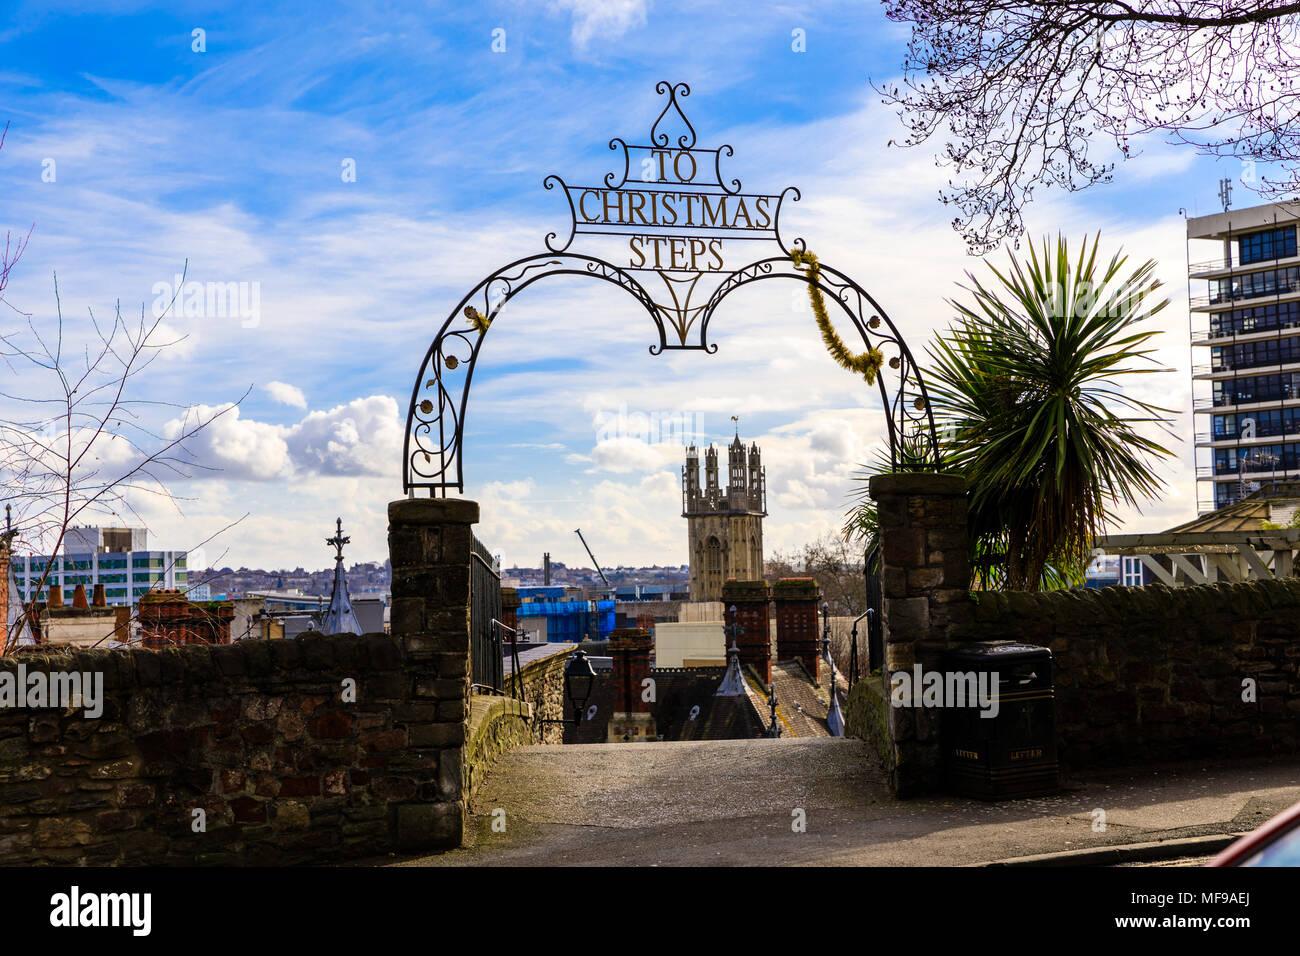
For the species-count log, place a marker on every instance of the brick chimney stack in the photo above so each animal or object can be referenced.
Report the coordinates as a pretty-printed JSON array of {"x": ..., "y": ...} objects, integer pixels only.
[
  {"x": 750, "y": 599},
  {"x": 798, "y": 632},
  {"x": 633, "y": 719},
  {"x": 510, "y": 602}
]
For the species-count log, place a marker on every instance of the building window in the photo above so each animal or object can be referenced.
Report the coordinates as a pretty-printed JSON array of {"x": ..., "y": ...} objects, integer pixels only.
[
  {"x": 713, "y": 566},
  {"x": 1266, "y": 245},
  {"x": 1260, "y": 318},
  {"x": 1132, "y": 572}
]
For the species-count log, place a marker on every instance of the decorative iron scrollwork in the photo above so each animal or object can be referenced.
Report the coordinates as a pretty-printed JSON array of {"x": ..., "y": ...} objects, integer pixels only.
[
  {"x": 434, "y": 442},
  {"x": 686, "y": 140}
]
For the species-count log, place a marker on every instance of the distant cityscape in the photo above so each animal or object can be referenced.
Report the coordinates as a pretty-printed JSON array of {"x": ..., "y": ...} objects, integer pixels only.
[
  {"x": 372, "y": 578},
  {"x": 562, "y": 574},
  {"x": 362, "y": 578}
]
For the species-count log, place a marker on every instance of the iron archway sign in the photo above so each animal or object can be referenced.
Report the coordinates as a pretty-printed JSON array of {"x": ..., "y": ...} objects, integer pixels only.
[{"x": 678, "y": 220}]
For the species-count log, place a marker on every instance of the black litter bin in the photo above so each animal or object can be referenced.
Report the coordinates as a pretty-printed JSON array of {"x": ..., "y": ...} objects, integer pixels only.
[{"x": 1011, "y": 754}]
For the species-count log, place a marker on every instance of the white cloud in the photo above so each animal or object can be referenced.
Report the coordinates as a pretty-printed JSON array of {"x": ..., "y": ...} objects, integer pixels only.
[
  {"x": 238, "y": 447},
  {"x": 286, "y": 394},
  {"x": 362, "y": 437},
  {"x": 607, "y": 19}
]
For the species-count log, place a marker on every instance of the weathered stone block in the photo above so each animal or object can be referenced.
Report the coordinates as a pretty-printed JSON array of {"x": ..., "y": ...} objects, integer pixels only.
[{"x": 429, "y": 826}]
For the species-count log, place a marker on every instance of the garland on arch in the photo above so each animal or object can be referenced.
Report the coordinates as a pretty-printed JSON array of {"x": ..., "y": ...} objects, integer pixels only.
[
  {"x": 477, "y": 319},
  {"x": 868, "y": 363}
]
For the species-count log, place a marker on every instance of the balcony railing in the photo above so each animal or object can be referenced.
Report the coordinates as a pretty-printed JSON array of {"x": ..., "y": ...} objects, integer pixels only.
[
  {"x": 1272, "y": 362},
  {"x": 1245, "y": 328},
  {"x": 1205, "y": 301},
  {"x": 1208, "y": 265}
]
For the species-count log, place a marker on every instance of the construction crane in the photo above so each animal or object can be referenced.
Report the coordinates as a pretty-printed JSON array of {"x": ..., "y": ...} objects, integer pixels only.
[{"x": 578, "y": 532}]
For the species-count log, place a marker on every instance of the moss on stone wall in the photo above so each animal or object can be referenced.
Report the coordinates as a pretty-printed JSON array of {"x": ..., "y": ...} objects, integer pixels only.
[{"x": 866, "y": 716}]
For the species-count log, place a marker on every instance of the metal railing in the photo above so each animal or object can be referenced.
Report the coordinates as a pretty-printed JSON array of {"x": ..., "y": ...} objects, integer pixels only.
[
  {"x": 1275, "y": 363},
  {"x": 487, "y": 665},
  {"x": 875, "y": 603},
  {"x": 1245, "y": 328},
  {"x": 1208, "y": 265},
  {"x": 1241, "y": 295},
  {"x": 1222, "y": 264}
]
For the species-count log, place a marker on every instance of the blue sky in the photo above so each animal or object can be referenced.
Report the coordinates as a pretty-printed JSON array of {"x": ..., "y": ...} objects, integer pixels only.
[{"x": 230, "y": 158}]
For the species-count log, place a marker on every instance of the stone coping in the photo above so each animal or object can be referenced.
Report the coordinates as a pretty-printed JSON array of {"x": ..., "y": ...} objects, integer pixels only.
[
  {"x": 916, "y": 483},
  {"x": 432, "y": 511},
  {"x": 535, "y": 654}
]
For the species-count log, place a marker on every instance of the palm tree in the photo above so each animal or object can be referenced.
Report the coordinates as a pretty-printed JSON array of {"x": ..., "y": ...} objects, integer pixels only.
[{"x": 1025, "y": 393}]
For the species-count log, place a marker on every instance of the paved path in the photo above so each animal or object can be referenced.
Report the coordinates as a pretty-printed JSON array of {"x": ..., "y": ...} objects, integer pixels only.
[{"x": 732, "y": 802}]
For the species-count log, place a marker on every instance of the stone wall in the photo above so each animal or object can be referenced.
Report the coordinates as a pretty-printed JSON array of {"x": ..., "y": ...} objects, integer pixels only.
[
  {"x": 1141, "y": 674},
  {"x": 263, "y": 738},
  {"x": 263, "y": 751},
  {"x": 925, "y": 581},
  {"x": 1156, "y": 673},
  {"x": 497, "y": 725},
  {"x": 542, "y": 687}
]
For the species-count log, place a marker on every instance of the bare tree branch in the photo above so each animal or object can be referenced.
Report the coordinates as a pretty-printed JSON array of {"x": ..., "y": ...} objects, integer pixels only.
[{"x": 1019, "y": 92}]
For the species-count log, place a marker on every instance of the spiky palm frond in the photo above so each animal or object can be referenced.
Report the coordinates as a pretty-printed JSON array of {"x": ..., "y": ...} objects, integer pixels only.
[{"x": 1025, "y": 388}]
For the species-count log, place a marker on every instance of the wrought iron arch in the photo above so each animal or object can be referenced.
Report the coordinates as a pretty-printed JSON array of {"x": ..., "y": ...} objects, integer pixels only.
[
  {"x": 432, "y": 453},
  {"x": 432, "y": 450},
  {"x": 909, "y": 416},
  {"x": 435, "y": 420}
]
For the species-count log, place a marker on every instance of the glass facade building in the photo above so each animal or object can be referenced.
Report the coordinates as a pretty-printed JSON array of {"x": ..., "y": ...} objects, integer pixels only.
[
  {"x": 1246, "y": 349},
  {"x": 88, "y": 559}
]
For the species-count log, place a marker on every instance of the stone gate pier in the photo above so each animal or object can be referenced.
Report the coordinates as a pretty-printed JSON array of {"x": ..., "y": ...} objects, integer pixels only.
[{"x": 925, "y": 583}]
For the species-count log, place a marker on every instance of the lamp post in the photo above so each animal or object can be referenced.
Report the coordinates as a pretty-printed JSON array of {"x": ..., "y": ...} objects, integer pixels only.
[
  {"x": 579, "y": 676},
  {"x": 773, "y": 729},
  {"x": 834, "y": 717},
  {"x": 826, "y": 635}
]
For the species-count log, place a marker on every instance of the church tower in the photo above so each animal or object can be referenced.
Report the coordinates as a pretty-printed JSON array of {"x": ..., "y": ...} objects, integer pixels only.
[{"x": 724, "y": 528}]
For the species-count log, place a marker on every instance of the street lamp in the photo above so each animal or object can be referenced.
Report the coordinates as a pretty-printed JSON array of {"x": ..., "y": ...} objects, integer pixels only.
[
  {"x": 826, "y": 634},
  {"x": 834, "y": 717},
  {"x": 773, "y": 730},
  {"x": 579, "y": 676}
]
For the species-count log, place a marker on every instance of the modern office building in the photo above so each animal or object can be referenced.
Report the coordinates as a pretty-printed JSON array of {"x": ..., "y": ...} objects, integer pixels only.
[
  {"x": 117, "y": 558},
  {"x": 1245, "y": 305}
]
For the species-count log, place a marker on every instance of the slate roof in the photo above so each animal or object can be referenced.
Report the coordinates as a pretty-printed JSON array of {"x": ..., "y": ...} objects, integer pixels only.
[
  {"x": 801, "y": 705},
  {"x": 678, "y": 692},
  {"x": 687, "y": 706}
]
